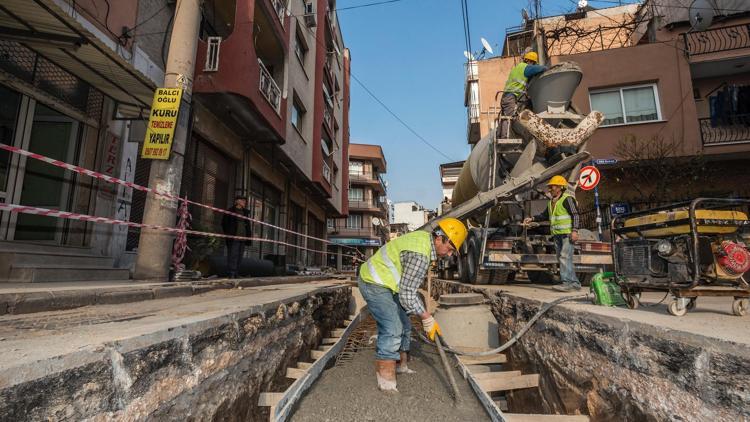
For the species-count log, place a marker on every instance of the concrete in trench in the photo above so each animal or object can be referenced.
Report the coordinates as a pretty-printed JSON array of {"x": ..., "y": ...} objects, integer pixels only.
[
  {"x": 202, "y": 357},
  {"x": 622, "y": 364}
]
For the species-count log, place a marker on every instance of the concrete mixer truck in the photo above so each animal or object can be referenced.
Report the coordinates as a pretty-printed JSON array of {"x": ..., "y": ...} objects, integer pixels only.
[{"x": 502, "y": 181}]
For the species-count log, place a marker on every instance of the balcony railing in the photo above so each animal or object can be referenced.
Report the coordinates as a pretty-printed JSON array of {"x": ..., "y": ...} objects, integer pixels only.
[
  {"x": 472, "y": 70},
  {"x": 280, "y": 8},
  {"x": 328, "y": 115},
  {"x": 718, "y": 39},
  {"x": 737, "y": 132},
  {"x": 269, "y": 88},
  {"x": 327, "y": 172},
  {"x": 473, "y": 110}
]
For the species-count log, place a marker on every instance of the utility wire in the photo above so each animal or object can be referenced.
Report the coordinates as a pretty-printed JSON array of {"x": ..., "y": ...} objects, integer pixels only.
[
  {"x": 359, "y": 6},
  {"x": 671, "y": 6}
]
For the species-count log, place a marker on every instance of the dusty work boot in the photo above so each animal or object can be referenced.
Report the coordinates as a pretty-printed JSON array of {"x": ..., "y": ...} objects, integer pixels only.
[
  {"x": 567, "y": 287},
  {"x": 402, "y": 367},
  {"x": 386, "y": 373}
]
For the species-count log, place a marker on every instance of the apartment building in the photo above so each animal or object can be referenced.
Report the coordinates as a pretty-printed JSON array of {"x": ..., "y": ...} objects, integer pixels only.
[
  {"x": 269, "y": 120},
  {"x": 449, "y": 173},
  {"x": 366, "y": 227},
  {"x": 675, "y": 121},
  {"x": 412, "y": 214}
]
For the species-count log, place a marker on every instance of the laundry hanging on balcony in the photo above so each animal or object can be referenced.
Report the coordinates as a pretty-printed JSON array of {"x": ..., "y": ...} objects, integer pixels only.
[{"x": 730, "y": 106}]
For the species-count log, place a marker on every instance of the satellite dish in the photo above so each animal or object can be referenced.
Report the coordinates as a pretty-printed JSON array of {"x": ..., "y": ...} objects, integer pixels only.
[
  {"x": 702, "y": 14},
  {"x": 486, "y": 45},
  {"x": 468, "y": 55},
  {"x": 582, "y": 4},
  {"x": 375, "y": 221}
]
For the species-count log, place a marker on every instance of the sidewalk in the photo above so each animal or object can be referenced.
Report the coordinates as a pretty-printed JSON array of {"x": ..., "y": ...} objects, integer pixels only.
[{"x": 23, "y": 298}]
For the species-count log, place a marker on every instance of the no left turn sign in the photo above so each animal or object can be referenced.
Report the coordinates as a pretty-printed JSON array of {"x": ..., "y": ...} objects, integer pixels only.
[{"x": 589, "y": 178}]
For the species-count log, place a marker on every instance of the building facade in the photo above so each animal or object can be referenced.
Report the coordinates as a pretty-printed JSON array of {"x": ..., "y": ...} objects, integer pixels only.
[
  {"x": 449, "y": 173},
  {"x": 269, "y": 121},
  {"x": 366, "y": 227},
  {"x": 412, "y": 214}
]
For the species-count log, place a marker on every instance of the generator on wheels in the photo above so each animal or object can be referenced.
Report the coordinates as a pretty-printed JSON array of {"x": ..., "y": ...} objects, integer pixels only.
[{"x": 690, "y": 249}]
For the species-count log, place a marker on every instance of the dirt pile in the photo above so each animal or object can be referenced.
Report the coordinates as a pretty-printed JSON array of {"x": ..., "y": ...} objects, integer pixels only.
[{"x": 349, "y": 393}]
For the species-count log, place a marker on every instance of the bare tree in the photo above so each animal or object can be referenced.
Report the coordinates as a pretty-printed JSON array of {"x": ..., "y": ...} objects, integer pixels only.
[{"x": 658, "y": 170}]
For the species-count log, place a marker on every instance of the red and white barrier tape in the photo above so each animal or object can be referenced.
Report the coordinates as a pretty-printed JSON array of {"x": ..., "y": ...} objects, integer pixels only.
[
  {"x": 24, "y": 209},
  {"x": 115, "y": 180}
]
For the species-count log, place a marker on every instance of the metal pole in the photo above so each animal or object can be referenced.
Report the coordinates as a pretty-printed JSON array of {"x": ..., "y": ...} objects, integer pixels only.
[
  {"x": 155, "y": 247},
  {"x": 598, "y": 212}
]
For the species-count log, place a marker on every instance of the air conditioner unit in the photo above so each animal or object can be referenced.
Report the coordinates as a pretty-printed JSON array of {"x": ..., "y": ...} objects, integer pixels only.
[{"x": 310, "y": 19}]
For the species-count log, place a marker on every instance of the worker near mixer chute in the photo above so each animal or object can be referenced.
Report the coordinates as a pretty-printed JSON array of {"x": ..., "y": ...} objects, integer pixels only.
[
  {"x": 515, "y": 86},
  {"x": 562, "y": 213},
  {"x": 389, "y": 281}
]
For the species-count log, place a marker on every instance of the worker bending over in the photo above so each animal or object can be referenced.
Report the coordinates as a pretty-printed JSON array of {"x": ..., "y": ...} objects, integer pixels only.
[
  {"x": 515, "y": 86},
  {"x": 562, "y": 213},
  {"x": 389, "y": 281}
]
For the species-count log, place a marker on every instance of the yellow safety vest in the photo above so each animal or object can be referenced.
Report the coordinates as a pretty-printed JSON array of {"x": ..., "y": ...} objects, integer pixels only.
[
  {"x": 560, "y": 221},
  {"x": 384, "y": 267},
  {"x": 516, "y": 83}
]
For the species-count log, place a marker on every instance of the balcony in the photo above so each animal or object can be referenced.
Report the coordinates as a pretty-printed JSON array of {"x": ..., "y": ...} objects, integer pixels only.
[
  {"x": 268, "y": 88},
  {"x": 717, "y": 40},
  {"x": 473, "y": 132},
  {"x": 328, "y": 116},
  {"x": 327, "y": 173},
  {"x": 736, "y": 133},
  {"x": 243, "y": 81},
  {"x": 280, "y": 9},
  {"x": 375, "y": 207},
  {"x": 376, "y": 183}
]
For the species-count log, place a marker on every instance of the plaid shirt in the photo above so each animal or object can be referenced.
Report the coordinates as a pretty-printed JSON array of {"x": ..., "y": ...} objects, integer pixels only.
[{"x": 414, "y": 270}]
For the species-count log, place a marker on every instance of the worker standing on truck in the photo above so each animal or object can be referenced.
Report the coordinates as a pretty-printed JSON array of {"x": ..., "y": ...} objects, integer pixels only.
[
  {"x": 562, "y": 213},
  {"x": 515, "y": 86},
  {"x": 389, "y": 281}
]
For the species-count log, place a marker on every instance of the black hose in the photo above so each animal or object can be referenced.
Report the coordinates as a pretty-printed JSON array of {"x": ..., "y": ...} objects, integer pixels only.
[{"x": 546, "y": 307}]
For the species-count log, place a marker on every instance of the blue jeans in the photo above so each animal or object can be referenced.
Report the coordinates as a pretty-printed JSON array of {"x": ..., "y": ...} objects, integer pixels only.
[
  {"x": 394, "y": 327},
  {"x": 564, "y": 251}
]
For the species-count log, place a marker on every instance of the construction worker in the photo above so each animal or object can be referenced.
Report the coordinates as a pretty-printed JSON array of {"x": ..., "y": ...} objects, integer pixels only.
[
  {"x": 562, "y": 213},
  {"x": 515, "y": 86},
  {"x": 389, "y": 281}
]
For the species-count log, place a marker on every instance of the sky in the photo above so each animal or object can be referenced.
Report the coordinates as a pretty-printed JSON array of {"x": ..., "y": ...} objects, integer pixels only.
[{"x": 410, "y": 55}]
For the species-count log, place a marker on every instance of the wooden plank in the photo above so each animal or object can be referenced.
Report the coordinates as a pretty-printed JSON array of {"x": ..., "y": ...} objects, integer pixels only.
[
  {"x": 483, "y": 360},
  {"x": 337, "y": 332},
  {"x": 518, "y": 417},
  {"x": 317, "y": 354},
  {"x": 304, "y": 365},
  {"x": 269, "y": 399},
  {"x": 495, "y": 375},
  {"x": 283, "y": 408},
  {"x": 493, "y": 411},
  {"x": 512, "y": 383},
  {"x": 329, "y": 340},
  {"x": 295, "y": 373}
]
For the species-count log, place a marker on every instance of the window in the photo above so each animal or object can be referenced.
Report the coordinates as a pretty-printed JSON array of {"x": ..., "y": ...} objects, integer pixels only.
[
  {"x": 627, "y": 105},
  {"x": 354, "y": 221},
  {"x": 298, "y": 112},
  {"x": 356, "y": 167},
  {"x": 356, "y": 194},
  {"x": 300, "y": 46},
  {"x": 331, "y": 223}
]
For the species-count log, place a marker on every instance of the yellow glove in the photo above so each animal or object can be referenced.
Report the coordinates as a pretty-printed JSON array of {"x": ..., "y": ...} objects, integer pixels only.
[{"x": 431, "y": 327}]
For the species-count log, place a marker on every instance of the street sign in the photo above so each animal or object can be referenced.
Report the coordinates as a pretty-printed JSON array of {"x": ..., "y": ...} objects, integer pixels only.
[
  {"x": 589, "y": 178},
  {"x": 620, "y": 208},
  {"x": 605, "y": 161}
]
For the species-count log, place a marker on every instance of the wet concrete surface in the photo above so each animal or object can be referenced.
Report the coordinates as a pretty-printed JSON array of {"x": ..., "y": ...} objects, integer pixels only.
[{"x": 350, "y": 393}]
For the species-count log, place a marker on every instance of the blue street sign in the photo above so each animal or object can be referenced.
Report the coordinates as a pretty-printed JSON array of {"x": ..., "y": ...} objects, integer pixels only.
[
  {"x": 605, "y": 161},
  {"x": 620, "y": 208}
]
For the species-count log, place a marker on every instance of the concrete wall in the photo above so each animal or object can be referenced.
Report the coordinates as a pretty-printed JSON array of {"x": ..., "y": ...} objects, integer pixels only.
[
  {"x": 213, "y": 369},
  {"x": 613, "y": 369},
  {"x": 403, "y": 213}
]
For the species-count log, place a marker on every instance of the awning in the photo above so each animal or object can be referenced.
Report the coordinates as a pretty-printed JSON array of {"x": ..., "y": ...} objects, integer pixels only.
[{"x": 55, "y": 30}]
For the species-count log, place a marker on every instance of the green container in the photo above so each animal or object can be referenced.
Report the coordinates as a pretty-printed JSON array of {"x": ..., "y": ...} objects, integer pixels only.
[{"x": 606, "y": 290}]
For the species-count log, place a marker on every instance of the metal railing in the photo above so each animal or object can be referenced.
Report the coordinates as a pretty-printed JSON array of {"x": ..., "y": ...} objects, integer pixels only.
[
  {"x": 269, "y": 88},
  {"x": 737, "y": 132},
  {"x": 718, "y": 39},
  {"x": 362, "y": 204},
  {"x": 280, "y": 8},
  {"x": 328, "y": 115},
  {"x": 472, "y": 70},
  {"x": 473, "y": 111}
]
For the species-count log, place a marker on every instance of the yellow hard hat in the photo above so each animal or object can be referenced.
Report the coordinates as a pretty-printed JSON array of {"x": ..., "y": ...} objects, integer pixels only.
[
  {"x": 531, "y": 55},
  {"x": 557, "y": 181},
  {"x": 455, "y": 230}
]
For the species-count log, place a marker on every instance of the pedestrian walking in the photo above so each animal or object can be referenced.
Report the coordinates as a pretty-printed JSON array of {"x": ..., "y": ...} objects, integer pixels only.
[{"x": 235, "y": 226}]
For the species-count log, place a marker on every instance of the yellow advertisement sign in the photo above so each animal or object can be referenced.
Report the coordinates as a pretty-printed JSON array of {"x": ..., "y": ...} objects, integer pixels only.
[{"x": 161, "y": 123}]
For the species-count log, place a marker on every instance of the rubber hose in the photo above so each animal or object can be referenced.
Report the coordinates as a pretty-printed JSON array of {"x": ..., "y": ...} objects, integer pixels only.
[{"x": 546, "y": 307}]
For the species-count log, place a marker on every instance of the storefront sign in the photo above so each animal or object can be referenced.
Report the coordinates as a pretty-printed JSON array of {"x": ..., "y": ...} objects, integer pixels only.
[
  {"x": 356, "y": 242},
  {"x": 161, "y": 124}
]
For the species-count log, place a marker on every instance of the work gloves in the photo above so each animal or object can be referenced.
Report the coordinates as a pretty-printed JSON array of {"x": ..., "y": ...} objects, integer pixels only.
[{"x": 431, "y": 327}]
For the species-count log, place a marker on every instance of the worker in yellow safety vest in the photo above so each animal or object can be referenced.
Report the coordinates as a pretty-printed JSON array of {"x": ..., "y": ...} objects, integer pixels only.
[
  {"x": 562, "y": 213},
  {"x": 515, "y": 86},
  {"x": 389, "y": 280}
]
